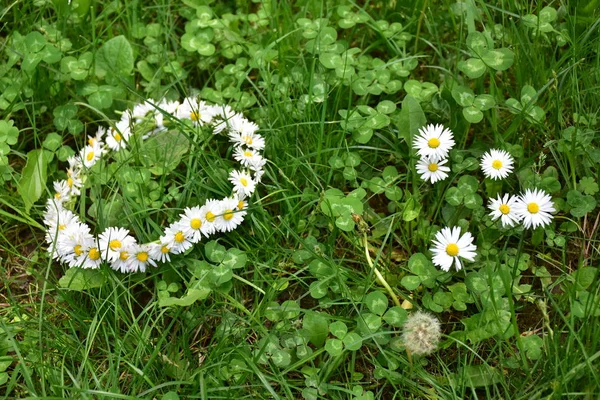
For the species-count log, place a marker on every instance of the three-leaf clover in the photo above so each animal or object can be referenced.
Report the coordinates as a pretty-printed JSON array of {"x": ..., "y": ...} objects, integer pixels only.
[
  {"x": 527, "y": 104},
  {"x": 8, "y": 136},
  {"x": 484, "y": 56},
  {"x": 343, "y": 339},
  {"x": 341, "y": 207},
  {"x": 473, "y": 106}
]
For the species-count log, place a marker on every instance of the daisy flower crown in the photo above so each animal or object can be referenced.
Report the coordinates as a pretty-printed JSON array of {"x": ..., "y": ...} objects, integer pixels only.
[{"x": 72, "y": 242}]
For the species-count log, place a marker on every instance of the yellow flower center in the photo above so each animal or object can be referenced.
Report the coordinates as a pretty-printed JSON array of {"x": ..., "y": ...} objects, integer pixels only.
[
  {"x": 92, "y": 141},
  {"x": 70, "y": 182},
  {"x": 228, "y": 215},
  {"x": 248, "y": 153},
  {"x": 195, "y": 223},
  {"x": 124, "y": 256},
  {"x": 195, "y": 116},
  {"x": 432, "y": 167},
  {"x": 142, "y": 256},
  {"x": 179, "y": 237},
  {"x": 57, "y": 196},
  {"x": 114, "y": 244},
  {"x": 61, "y": 227},
  {"x": 244, "y": 181},
  {"x": 496, "y": 164},
  {"x": 117, "y": 136},
  {"x": 504, "y": 209},
  {"x": 533, "y": 208},
  {"x": 164, "y": 249},
  {"x": 241, "y": 205},
  {"x": 210, "y": 217},
  {"x": 77, "y": 250},
  {"x": 90, "y": 156},
  {"x": 452, "y": 250},
  {"x": 247, "y": 139},
  {"x": 94, "y": 254},
  {"x": 434, "y": 143}
]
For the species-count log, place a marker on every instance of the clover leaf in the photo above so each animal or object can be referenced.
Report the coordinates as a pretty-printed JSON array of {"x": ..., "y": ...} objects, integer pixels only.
[
  {"x": 527, "y": 104},
  {"x": 484, "y": 56},
  {"x": 581, "y": 204},
  {"x": 473, "y": 106}
]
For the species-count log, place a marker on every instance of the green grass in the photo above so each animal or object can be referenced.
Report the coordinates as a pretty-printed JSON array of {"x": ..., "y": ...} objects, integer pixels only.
[{"x": 115, "y": 341}]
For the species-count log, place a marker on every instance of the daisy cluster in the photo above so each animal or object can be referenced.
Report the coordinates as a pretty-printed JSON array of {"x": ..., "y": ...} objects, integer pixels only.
[
  {"x": 533, "y": 208},
  {"x": 72, "y": 242}
]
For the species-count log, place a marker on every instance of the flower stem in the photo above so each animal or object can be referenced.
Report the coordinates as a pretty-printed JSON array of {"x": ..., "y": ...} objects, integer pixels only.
[{"x": 380, "y": 277}]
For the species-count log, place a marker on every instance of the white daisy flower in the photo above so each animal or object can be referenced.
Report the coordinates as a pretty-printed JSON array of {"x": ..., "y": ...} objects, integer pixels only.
[
  {"x": 74, "y": 183},
  {"x": 91, "y": 259},
  {"x": 114, "y": 240},
  {"x": 61, "y": 191},
  {"x": 141, "y": 110},
  {"x": 247, "y": 157},
  {"x": 122, "y": 262},
  {"x": 224, "y": 114},
  {"x": 497, "y": 164},
  {"x": 176, "y": 239},
  {"x": 503, "y": 207},
  {"x": 242, "y": 205},
  {"x": 159, "y": 252},
  {"x": 209, "y": 212},
  {"x": 139, "y": 258},
  {"x": 195, "y": 110},
  {"x": 229, "y": 218},
  {"x": 64, "y": 221},
  {"x": 449, "y": 247},
  {"x": 242, "y": 182},
  {"x": 90, "y": 154},
  {"x": 252, "y": 140},
  {"x": 237, "y": 123},
  {"x": 96, "y": 140},
  {"x": 74, "y": 244},
  {"x": 434, "y": 141},
  {"x": 118, "y": 136},
  {"x": 432, "y": 169},
  {"x": 535, "y": 207},
  {"x": 191, "y": 222},
  {"x": 74, "y": 165}
]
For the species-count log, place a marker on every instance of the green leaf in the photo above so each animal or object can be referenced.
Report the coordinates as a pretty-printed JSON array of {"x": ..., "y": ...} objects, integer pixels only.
[
  {"x": 220, "y": 274},
  {"x": 582, "y": 204},
  {"x": 80, "y": 279},
  {"x": 328, "y": 35},
  {"x": 475, "y": 376},
  {"x": 533, "y": 346},
  {"x": 395, "y": 316},
  {"x": 473, "y": 67},
  {"x": 234, "y": 258},
  {"x": 500, "y": 59},
  {"x": 352, "y": 341},
  {"x": 170, "y": 396},
  {"x": 411, "y": 118},
  {"x": 454, "y": 197},
  {"x": 368, "y": 323},
  {"x": 410, "y": 282},
  {"x": 377, "y": 302},
  {"x": 528, "y": 93},
  {"x": 334, "y": 347},
  {"x": 477, "y": 42},
  {"x": 548, "y": 14},
  {"x": 316, "y": 326},
  {"x": 463, "y": 95},
  {"x": 338, "y": 329},
  {"x": 484, "y": 102},
  {"x": 588, "y": 185},
  {"x": 386, "y": 107},
  {"x": 115, "y": 57},
  {"x": 33, "y": 179},
  {"x": 214, "y": 251},
  {"x": 345, "y": 223},
  {"x": 318, "y": 289},
  {"x": 331, "y": 60},
  {"x": 472, "y": 114},
  {"x": 162, "y": 152},
  {"x": 192, "y": 295},
  {"x": 281, "y": 358}
]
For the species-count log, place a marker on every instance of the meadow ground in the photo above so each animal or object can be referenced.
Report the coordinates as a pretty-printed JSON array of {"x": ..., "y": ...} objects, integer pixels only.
[{"x": 320, "y": 292}]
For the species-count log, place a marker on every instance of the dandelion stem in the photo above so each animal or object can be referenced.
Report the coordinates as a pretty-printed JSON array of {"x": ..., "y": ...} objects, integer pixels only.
[{"x": 380, "y": 277}]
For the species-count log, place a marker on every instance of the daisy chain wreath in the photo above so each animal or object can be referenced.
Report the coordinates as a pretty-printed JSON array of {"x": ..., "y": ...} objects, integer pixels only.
[{"x": 72, "y": 242}]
